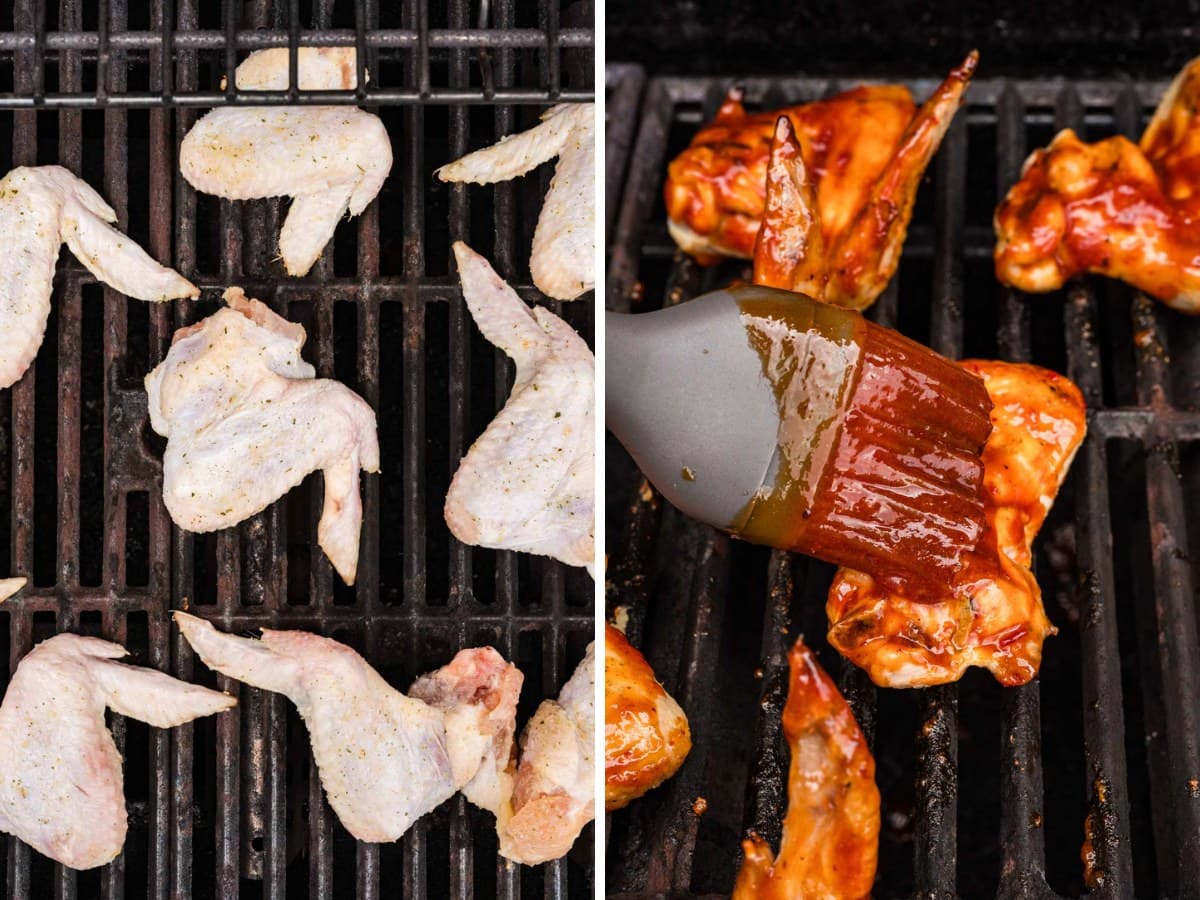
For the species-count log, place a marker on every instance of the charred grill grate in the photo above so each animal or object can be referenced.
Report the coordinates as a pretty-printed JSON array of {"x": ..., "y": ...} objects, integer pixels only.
[
  {"x": 986, "y": 790},
  {"x": 230, "y": 806}
]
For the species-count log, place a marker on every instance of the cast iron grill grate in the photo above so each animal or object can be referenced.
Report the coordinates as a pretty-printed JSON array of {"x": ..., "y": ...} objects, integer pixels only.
[
  {"x": 986, "y": 790},
  {"x": 230, "y": 806}
]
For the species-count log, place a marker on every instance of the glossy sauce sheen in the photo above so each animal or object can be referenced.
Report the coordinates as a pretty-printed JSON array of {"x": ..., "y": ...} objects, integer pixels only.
[
  {"x": 1125, "y": 210},
  {"x": 646, "y": 735},
  {"x": 881, "y": 470},
  {"x": 717, "y": 187},
  {"x": 990, "y": 614}
]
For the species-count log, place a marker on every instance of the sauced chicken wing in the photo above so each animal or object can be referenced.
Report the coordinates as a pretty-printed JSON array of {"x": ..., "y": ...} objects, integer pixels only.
[
  {"x": 992, "y": 614},
  {"x": 830, "y": 844},
  {"x": 384, "y": 759},
  {"x": 1113, "y": 208},
  {"x": 41, "y": 209},
  {"x": 646, "y": 734},
  {"x": 527, "y": 482},
  {"x": 844, "y": 188},
  {"x": 554, "y": 792},
  {"x": 63, "y": 792},
  {"x": 246, "y": 421},
  {"x": 332, "y": 160},
  {"x": 564, "y": 242}
]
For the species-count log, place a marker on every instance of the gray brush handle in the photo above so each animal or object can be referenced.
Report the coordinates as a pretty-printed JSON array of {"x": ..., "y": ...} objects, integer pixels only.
[{"x": 686, "y": 395}]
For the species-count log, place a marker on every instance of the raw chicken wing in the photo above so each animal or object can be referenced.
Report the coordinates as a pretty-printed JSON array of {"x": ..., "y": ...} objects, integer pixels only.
[
  {"x": 41, "y": 209},
  {"x": 332, "y": 160},
  {"x": 646, "y": 734},
  {"x": 246, "y": 421},
  {"x": 992, "y": 613},
  {"x": 1114, "y": 208},
  {"x": 384, "y": 759},
  {"x": 830, "y": 844},
  {"x": 564, "y": 243},
  {"x": 63, "y": 792},
  {"x": 554, "y": 792},
  {"x": 486, "y": 744},
  {"x": 527, "y": 482},
  {"x": 835, "y": 202}
]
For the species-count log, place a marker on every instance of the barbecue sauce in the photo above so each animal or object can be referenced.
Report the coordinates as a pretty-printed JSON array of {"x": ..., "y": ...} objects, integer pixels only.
[{"x": 877, "y": 464}]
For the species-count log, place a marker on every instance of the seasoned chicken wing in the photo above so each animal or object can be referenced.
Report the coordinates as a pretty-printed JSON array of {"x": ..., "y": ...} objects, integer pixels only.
[
  {"x": 41, "y": 209},
  {"x": 830, "y": 844},
  {"x": 527, "y": 482},
  {"x": 384, "y": 759},
  {"x": 564, "y": 243},
  {"x": 246, "y": 421},
  {"x": 1113, "y": 208},
  {"x": 332, "y": 160},
  {"x": 646, "y": 734},
  {"x": 554, "y": 793},
  {"x": 63, "y": 792},
  {"x": 992, "y": 613},
  {"x": 842, "y": 191}
]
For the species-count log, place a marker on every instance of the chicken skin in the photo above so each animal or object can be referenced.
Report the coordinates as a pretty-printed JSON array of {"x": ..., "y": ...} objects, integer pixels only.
[
  {"x": 992, "y": 613},
  {"x": 246, "y": 421},
  {"x": 830, "y": 845},
  {"x": 564, "y": 243},
  {"x": 527, "y": 483},
  {"x": 384, "y": 759},
  {"x": 41, "y": 209},
  {"x": 63, "y": 792},
  {"x": 331, "y": 160},
  {"x": 646, "y": 734},
  {"x": 1113, "y": 208},
  {"x": 554, "y": 792},
  {"x": 844, "y": 175}
]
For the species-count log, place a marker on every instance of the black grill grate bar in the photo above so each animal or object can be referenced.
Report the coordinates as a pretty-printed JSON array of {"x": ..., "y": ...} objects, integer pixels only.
[
  {"x": 623, "y": 90},
  {"x": 936, "y": 844},
  {"x": 452, "y": 38},
  {"x": 1023, "y": 871}
]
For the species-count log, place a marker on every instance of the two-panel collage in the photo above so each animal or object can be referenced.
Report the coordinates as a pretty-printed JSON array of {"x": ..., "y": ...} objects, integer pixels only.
[{"x": 426, "y": 475}]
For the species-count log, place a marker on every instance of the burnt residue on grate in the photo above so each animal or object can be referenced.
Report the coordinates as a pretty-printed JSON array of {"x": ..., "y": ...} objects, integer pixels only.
[
  {"x": 231, "y": 805},
  {"x": 987, "y": 792}
]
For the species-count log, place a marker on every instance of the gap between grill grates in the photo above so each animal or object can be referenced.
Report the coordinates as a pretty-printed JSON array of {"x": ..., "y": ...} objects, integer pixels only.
[
  {"x": 985, "y": 790},
  {"x": 230, "y": 807}
]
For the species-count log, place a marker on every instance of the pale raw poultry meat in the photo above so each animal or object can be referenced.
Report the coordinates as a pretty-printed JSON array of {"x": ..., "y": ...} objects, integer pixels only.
[
  {"x": 246, "y": 421},
  {"x": 528, "y": 482},
  {"x": 562, "y": 262},
  {"x": 384, "y": 759},
  {"x": 41, "y": 209},
  {"x": 63, "y": 790},
  {"x": 332, "y": 160},
  {"x": 554, "y": 790}
]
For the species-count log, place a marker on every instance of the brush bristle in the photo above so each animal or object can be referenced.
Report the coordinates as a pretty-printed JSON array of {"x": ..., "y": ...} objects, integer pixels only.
[{"x": 901, "y": 496}]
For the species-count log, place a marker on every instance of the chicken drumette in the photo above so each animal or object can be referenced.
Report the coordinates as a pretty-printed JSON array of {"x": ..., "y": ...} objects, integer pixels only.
[
  {"x": 843, "y": 190},
  {"x": 1129, "y": 211},
  {"x": 646, "y": 734}
]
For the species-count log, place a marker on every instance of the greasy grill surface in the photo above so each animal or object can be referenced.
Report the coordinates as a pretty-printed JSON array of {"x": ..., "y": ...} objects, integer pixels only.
[
  {"x": 987, "y": 792},
  {"x": 231, "y": 806}
]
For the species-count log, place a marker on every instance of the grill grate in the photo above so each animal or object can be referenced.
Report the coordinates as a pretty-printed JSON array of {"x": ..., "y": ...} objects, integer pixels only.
[
  {"x": 1110, "y": 729},
  {"x": 229, "y": 806}
]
